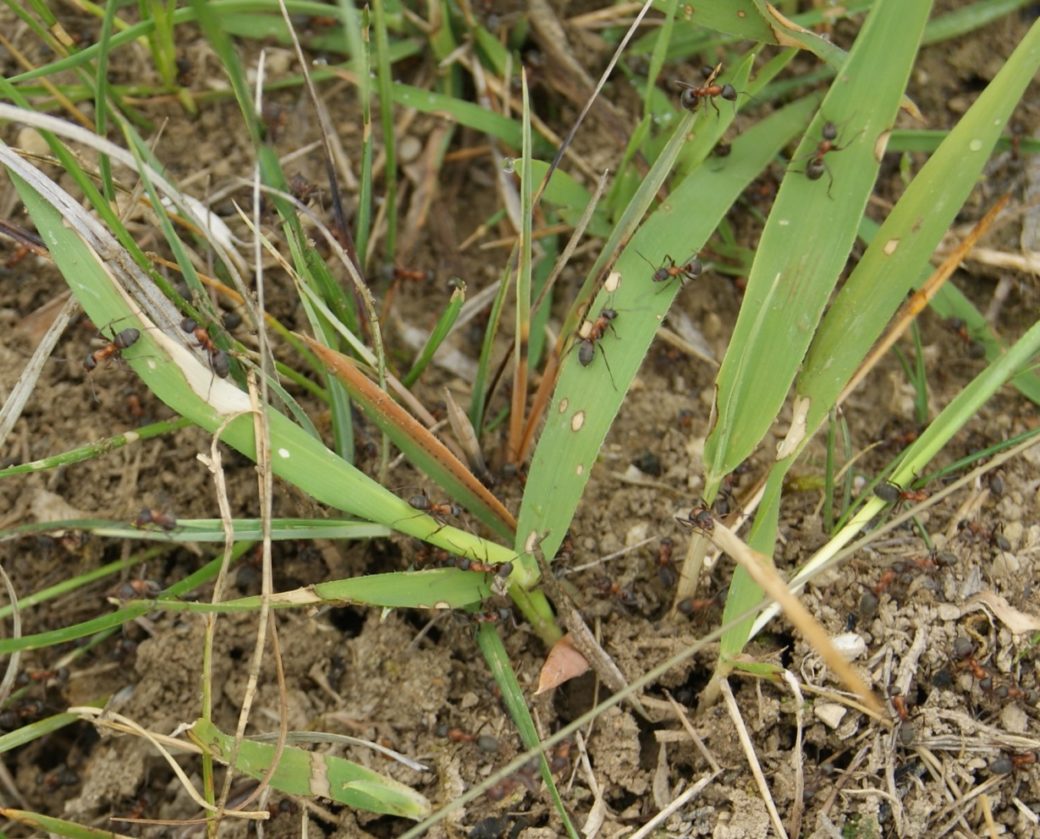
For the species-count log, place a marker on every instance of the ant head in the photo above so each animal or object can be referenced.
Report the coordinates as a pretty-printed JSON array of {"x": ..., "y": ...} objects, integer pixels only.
[
  {"x": 688, "y": 99},
  {"x": 729, "y": 93},
  {"x": 830, "y": 131},
  {"x": 608, "y": 313},
  {"x": 661, "y": 274},
  {"x": 188, "y": 325}
]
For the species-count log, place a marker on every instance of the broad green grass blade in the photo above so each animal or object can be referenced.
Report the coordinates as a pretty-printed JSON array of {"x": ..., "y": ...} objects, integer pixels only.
[
  {"x": 314, "y": 774},
  {"x": 893, "y": 263},
  {"x": 587, "y": 398},
  {"x": 808, "y": 236},
  {"x": 900, "y": 250},
  {"x": 180, "y": 379}
]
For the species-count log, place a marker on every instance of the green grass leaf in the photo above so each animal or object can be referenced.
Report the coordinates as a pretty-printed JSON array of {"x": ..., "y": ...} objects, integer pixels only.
[
  {"x": 314, "y": 774},
  {"x": 808, "y": 237}
]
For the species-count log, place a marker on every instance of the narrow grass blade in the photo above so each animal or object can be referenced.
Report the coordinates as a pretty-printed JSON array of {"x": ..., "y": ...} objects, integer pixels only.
[
  {"x": 440, "y": 331},
  {"x": 808, "y": 236},
  {"x": 52, "y": 826},
  {"x": 436, "y": 588},
  {"x": 313, "y": 774},
  {"x": 513, "y": 696},
  {"x": 522, "y": 313}
]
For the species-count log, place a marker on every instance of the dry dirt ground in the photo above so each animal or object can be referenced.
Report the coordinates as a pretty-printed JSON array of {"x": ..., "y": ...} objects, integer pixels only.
[{"x": 970, "y": 686}]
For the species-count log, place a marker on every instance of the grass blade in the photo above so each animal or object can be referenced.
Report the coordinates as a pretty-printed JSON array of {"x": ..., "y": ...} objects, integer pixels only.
[{"x": 808, "y": 236}]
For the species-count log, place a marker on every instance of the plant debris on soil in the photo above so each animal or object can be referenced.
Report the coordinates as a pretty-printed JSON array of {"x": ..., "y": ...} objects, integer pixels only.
[{"x": 944, "y": 634}]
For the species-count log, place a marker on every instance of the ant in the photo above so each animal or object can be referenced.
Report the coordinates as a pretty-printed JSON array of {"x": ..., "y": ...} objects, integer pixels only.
[
  {"x": 698, "y": 606},
  {"x": 218, "y": 359},
  {"x": 817, "y": 166},
  {"x": 692, "y": 93},
  {"x": 690, "y": 270},
  {"x": 665, "y": 563},
  {"x": 899, "y": 706},
  {"x": 120, "y": 341},
  {"x": 56, "y": 677},
  {"x": 485, "y": 742},
  {"x": 613, "y": 589},
  {"x": 136, "y": 590},
  {"x": 960, "y": 329},
  {"x": 892, "y": 493},
  {"x": 590, "y": 333},
  {"x": 699, "y": 518},
  {"x": 502, "y": 569},
  {"x": 423, "y": 503},
  {"x": 400, "y": 273},
  {"x": 164, "y": 520}
]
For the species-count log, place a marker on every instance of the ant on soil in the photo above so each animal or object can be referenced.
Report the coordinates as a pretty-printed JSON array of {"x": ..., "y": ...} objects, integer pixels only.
[
  {"x": 120, "y": 341},
  {"x": 700, "y": 606},
  {"x": 817, "y": 166},
  {"x": 591, "y": 333},
  {"x": 692, "y": 94},
  {"x": 665, "y": 563},
  {"x": 218, "y": 359},
  {"x": 960, "y": 329},
  {"x": 699, "y": 518}
]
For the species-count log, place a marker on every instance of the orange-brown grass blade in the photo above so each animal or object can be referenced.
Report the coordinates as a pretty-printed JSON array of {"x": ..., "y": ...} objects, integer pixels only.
[{"x": 417, "y": 443}]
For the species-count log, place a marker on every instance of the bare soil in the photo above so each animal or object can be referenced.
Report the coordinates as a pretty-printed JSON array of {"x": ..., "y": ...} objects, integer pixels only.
[{"x": 956, "y": 763}]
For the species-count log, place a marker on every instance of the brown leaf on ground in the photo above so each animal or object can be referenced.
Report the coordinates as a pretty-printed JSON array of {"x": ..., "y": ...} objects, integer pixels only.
[{"x": 561, "y": 665}]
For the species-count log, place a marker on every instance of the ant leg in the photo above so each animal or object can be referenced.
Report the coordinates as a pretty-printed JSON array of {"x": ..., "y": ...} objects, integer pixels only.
[{"x": 607, "y": 363}]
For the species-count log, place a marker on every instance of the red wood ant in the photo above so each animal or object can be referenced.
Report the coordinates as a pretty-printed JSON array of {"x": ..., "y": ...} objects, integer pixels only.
[
  {"x": 692, "y": 94},
  {"x": 665, "y": 564},
  {"x": 689, "y": 270},
  {"x": 423, "y": 503},
  {"x": 410, "y": 275},
  {"x": 891, "y": 493},
  {"x": 502, "y": 569},
  {"x": 164, "y": 520},
  {"x": 699, "y": 518},
  {"x": 218, "y": 359},
  {"x": 591, "y": 333},
  {"x": 817, "y": 166},
  {"x": 120, "y": 341},
  {"x": 960, "y": 329},
  {"x": 697, "y": 606}
]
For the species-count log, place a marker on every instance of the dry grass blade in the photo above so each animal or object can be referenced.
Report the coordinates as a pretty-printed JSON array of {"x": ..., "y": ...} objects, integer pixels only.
[
  {"x": 760, "y": 568},
  {"x": 916, "y": 304}
]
